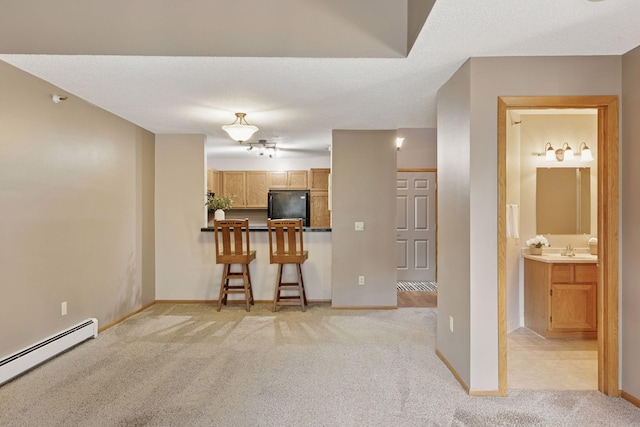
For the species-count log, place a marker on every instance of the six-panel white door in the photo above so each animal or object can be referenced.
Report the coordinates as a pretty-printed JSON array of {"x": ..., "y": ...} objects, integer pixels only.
[{"x": 416, "y": 226}]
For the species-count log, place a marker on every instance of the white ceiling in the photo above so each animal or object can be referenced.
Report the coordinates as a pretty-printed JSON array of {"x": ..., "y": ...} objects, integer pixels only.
[{"x": 297, "y": 101}]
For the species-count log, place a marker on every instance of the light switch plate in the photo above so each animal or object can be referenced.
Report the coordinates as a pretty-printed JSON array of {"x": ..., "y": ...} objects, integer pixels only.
[{"x": 359, "y": 226}]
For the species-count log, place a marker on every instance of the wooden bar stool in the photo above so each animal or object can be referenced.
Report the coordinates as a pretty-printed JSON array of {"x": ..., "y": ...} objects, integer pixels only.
[
  {"x": 286, "y": 247},
  {"x": 232, "y": 247}
]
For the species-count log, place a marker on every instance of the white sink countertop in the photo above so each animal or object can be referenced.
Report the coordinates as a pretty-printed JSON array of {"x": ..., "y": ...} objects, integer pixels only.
[{"x": 554, "y": 255}]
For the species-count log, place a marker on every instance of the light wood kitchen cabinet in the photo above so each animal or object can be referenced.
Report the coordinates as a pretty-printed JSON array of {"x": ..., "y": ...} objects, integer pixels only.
[
  {"x": 233, "y": 184},
  {"x": 213, "y": 181},
  {"x": 297, "y": 180},
  {"x": 319, "y": 179},
  {"x": 319, "y": 185},
  {"x": 256, "y": 189},
  {"x": 289, "y": 180},
  {"x": 248, "y": 189},
  {"x": 278, "y": 180},
  {"x": 320, "y": 215},
  {"x": 560, "y": 299}
]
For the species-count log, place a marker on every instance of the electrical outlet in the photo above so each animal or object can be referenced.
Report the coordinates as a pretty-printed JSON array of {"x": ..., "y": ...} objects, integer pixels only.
[
  {"x": 451, "y": 323},
  {"x": 359, "y": 226},
  {"x": 360, "y": 280},
  {"x": 63, "y": 308}
]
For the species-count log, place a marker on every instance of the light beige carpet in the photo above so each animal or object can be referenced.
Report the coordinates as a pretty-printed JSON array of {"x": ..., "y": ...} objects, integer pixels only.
[{"x": 188, "y": 365}]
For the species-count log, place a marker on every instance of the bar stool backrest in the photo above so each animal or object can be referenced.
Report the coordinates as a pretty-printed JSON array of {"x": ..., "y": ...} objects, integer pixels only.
[
  {"x": 232, "y": 241},
  {"x": 285, "y": 241}
]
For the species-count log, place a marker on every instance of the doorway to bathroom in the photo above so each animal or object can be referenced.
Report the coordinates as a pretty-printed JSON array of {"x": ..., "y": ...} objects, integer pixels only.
[
  {"x": 606, "y": 108},
  {"x": 551, "y": 323}
]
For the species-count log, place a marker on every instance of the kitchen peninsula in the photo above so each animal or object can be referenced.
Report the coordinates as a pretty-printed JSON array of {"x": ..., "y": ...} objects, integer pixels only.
[
  {"x": 250, "y": 190},
  {"x": 316, "y": 270}
]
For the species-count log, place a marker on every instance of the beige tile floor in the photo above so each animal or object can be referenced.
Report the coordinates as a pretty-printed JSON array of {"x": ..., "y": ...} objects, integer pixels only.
[{"x": 535, "y": 363}]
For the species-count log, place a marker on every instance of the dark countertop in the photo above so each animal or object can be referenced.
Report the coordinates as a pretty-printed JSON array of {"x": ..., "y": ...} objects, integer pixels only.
[{"x": 264, "y": 228}]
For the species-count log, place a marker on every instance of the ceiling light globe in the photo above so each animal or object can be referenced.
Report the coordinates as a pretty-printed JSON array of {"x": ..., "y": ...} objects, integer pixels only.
[{"x": 240, "y": 130}]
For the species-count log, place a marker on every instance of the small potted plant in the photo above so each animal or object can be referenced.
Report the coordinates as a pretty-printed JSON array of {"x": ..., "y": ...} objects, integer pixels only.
[
  {"x": 218, "y": 205},
  {"x": 536, "y": 243}
]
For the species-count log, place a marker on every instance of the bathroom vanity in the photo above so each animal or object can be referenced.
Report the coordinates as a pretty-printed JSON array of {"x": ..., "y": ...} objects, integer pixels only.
[{"x": 560, "y": 295}]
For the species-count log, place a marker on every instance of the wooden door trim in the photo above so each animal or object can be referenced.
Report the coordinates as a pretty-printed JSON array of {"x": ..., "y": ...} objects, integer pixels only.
[{"x": 608, "y": 218}]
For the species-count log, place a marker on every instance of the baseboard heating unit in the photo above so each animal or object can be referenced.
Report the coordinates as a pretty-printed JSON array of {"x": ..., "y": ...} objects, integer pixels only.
[{"x": 23, "y": 360}]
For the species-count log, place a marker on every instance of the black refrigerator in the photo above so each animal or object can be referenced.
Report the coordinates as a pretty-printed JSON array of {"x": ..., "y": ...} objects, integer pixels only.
[{"x": 285, "y": 204}]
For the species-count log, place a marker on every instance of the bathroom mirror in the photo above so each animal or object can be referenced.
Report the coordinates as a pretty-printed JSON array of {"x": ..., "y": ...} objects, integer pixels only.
[{"x": 563, "y": 201}]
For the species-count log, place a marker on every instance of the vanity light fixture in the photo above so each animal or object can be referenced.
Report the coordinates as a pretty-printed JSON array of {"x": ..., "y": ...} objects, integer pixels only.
[
  {"x": 240, "y": 130},
  {"x": 567, "y": 152},
  {"x": 585, "y": 153},
  {"x": 550, "y": 153},
  {"x": 399, "y": 142}
]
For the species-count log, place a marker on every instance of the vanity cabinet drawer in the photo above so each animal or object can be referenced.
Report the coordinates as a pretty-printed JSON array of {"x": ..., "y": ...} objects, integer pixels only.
[
  {"x": 586, "y": 273},
  {"x": 561, "y": 273},
  {"x": 574, "y": 273}
]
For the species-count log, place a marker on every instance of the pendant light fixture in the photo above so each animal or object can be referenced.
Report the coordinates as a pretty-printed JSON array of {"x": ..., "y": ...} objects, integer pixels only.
[{"x": 240, "y": 130}]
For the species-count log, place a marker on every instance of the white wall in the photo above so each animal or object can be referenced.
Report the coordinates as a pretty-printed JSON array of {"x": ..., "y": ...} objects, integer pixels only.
[
  {"x": 364, "y": 189},
  {"x": 209, "y": 29},
  {"x": 184, "y": 260},
  {"x": 630, "y": 235},
  {"x": 252, "y": 162},
  {"x": 454, "y": 172},
  {"x": 419, "y": 149},
  {"x": 76, "y": 192}
]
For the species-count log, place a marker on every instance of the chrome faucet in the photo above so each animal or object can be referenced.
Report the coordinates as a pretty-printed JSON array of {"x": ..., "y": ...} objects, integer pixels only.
[{"x": 569, "y": 251}]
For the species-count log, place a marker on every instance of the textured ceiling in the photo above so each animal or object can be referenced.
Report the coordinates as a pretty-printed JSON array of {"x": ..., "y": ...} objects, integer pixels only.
[{"x": 298, "y": 101}]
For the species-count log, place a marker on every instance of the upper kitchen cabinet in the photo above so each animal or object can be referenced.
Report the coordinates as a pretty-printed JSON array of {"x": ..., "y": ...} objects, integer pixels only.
[
  {"x": 297, "y": 180},
  {"x": 289, "y": 180},
  {"x": 233, "y": 184},
  {"x": 278, "y": 179},
  {"x": 248, "y": 189},
  {"x": 319, "y": 179},
  {"x": 256, "y": 189},
  {"x": 213, "y": 181},
  {"x": 319, "y": 185}
]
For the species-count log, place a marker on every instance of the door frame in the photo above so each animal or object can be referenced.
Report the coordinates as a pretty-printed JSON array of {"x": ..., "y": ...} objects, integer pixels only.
[
  {"x": 608, "y": 218},
  {"x": 436, "y": 218}
]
